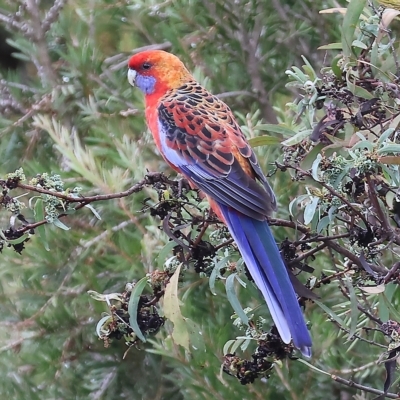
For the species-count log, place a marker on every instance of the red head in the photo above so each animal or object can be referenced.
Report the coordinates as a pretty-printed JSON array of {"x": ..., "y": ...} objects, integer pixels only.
[{"x": 156, "y": 71}]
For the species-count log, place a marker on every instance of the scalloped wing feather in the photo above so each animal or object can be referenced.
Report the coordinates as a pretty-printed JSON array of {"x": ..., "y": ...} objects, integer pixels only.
[{"x": 199, "y": 136}]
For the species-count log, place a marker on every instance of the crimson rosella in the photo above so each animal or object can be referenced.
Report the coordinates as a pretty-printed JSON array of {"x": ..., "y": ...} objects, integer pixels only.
[{"x": 199, "y": 137}]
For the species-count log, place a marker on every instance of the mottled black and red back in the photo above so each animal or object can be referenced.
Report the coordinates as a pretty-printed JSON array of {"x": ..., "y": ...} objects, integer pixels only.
[{"x": 202, "y": 129}]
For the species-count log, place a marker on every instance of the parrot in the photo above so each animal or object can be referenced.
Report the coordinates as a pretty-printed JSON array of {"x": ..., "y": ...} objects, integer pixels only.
[{"x": 199, "y": 137}]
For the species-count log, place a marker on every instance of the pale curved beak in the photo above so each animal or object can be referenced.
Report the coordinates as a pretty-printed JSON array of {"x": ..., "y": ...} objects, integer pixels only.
[{"x": 132, "y": 76}]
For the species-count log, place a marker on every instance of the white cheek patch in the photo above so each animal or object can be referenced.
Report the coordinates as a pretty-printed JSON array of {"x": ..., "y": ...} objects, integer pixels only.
[{"x": 132, "y": 76}]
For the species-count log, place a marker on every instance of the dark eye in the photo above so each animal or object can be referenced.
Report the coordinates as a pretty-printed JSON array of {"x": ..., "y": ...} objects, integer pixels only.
[{"x": 146, "y": 65}]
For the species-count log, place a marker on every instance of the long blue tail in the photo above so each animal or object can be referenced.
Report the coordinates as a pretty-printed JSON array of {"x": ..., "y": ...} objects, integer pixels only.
[{"x": 261, "y": 255}]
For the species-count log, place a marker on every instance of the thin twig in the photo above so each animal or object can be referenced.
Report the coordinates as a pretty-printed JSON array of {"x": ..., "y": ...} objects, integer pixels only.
[
  {"x": 83, "y": 201},
  {"x": 150, "y": 177},
  {"x": 52, "y": 14},
  {"x": 308, "y": 253},
  {"x": 368, "y": 389},
  {"x": 392, "y": 272},
  {"x": 321, "y": 239},
  {"x": 11, "y": 22},
  {"x": 38, "y": 35},
  {"x": 355, "y": 370},
  {"x": 381, "y": 215}
]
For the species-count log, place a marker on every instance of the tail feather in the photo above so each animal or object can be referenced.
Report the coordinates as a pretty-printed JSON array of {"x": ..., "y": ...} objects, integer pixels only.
[{"x": 262, "y": 257}]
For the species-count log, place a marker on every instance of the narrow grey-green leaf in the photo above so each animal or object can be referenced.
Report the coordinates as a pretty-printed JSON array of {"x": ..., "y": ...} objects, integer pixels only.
[
  {"x": 100, "y": 324},
  {"x": 297, "y": 138},
  {"x": 39, "y": 216},
  {"x": 227, "y": 347},
  {"x": 18, "y": 240},
  {"x": 232, "y": 297},
  {"x": 60, "y": 224},
  {"x": 310, "y": 210},
  {"x": 360, "y": 44},
  {"x": 389, "y": 148},
  {"x": 314, "y": 167},
  {"x": 93, "y": 210},
  {"x": 353, "y": 309},
  {"x": 133, "y": 307},
  {"x": 350, "y": 22},
  {"x": 393, "y": 310},
  {"x": 263, "y": 141},
  {"x": 331, "y": 46},
  {"x": 215, "y": 273},
  {"x": 330, "y": 312},
  {"x": 282, "y": 129},
  {"x": 323, "y": 223},
  {"x": 172, "y": 311},
  {"x": 162, "y": 255}
]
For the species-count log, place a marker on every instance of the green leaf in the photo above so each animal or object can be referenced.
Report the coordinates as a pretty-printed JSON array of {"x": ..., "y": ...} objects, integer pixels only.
[
  {"x": 395, "y": 314},
  {"x": 162, "y": 255},
  {"x": 311, "y": 156},
  {"x": 331, "y": 46},
  {"x": 245, "y": 344},
  {"x": 336, "y": 67},
  {"x": 374, "y": 59},
  {"x": 314, "y": 167},
  {"x": 18, "y": 240},
  {"x": 232, "y": 297},
  {"x": 330, "y": 313},
  {"x": 281, "y": 129},
  {"x": 295, "y": 203},
  {"x": 227, "y": 347},
  {"x": 92, "y": 209},
  {"x": 364, "y": 144},
  {"x": 360, "y": 92},
  {"x": 133, "y": 307},
  {"x": 323, "y": 223},
  {"x": 310, "y": 210},
  {"x": 313, "y": 367},
  {"x": 105, "y": 297},
  {"x": 373, "y": 289},
  {"x": 215, "y": 273},
  {"x": 100, "y": 332},
  {"x": 350, "y": 23},
  {"x": 60, "y": 224},
  {"x": 385, "y": 135},
  {"x": 172, "y": 311},
  {"x": 263, "y": 141},
  {"x": 360, "y": 44},
  {"x": 237, "y": 344},
  {"x": 39, "y": 216},
  {"x": 297, "y": 138},
  {"x": 385, "y": 302},
  {"x": 354, "y": 312},
  {"x": 308, "y": 68},
  {"x": 389, "y": 148},
  {"x": 303, "y": 77}
]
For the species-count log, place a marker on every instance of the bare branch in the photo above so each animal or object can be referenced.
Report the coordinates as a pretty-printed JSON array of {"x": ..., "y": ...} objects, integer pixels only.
[
  {"x": 368, "y": 389},
  {"x": 52, "y": 14},
  {"x": 375, "y": 203},
  {"x": 43, "y": 62},
  {"x": 150, "y": 178},
  {"x": 12, "y": 23}
]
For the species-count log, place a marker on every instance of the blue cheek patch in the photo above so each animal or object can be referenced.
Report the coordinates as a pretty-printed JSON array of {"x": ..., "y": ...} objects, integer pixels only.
[{"x": 145, "y": 83}]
